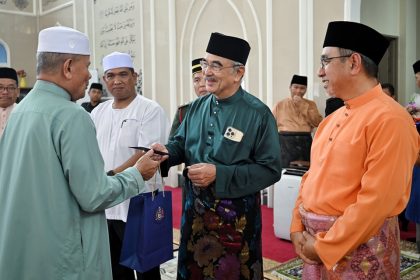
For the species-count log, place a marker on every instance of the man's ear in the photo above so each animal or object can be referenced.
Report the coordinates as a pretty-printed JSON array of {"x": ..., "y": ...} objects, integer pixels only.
[
  {"x": 240, "y": 73},
  {"x": 17, "y": 92},
  {"x": 356, "y": 62},
  {"x": 135, "y": 75},
  {"x": 67, "y": 68}
]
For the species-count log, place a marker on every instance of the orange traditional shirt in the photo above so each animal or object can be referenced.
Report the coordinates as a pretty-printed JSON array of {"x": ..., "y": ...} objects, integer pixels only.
[
  {"x": 296, "y": 117},
  {"x": 362, "y": 160}
]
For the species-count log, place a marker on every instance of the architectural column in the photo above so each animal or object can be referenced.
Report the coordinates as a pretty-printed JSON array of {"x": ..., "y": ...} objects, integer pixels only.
[{"x": 306, "y": 43}]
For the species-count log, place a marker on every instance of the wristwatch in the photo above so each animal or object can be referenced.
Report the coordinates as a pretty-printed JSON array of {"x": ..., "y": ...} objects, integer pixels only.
[{"x": 110, "y": 173}]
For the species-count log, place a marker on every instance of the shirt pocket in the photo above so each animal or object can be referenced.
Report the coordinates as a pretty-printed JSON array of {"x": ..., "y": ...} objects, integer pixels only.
[
  {"x": 228, "y": 151},
  {"x": 129, "y": 133}
]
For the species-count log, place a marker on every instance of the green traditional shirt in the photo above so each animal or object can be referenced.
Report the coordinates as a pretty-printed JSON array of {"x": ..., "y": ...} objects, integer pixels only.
[
  {"x": 248, "y": 160},
  {"x": 54, "y": 191}
]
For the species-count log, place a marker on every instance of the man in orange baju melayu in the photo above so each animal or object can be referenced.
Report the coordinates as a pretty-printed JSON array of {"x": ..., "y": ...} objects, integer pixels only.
[{"x": 345, "y": 223}]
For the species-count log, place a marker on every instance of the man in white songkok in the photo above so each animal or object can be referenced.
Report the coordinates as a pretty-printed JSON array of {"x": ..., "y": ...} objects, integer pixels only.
[{"x": 127, "y": 120}]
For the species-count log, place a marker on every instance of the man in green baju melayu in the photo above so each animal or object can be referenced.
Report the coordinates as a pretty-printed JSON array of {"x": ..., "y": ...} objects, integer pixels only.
[
  {"x": 229, "y": 143},
  {"x": 53, "y": 186}
]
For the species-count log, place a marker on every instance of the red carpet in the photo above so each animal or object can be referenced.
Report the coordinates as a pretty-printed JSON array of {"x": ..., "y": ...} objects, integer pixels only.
[{"x": 273, "y": 248}]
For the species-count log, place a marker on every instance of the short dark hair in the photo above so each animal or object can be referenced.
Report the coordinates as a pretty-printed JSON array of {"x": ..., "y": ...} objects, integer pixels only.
[{"x": 370, "y": 67}]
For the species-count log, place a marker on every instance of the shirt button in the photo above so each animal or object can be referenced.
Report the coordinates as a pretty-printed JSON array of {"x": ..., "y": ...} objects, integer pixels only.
[
  {"x": 211, "y": 124},
  {"x": 337, "y": 125},
  {"x": 346, "y": 114},
  {"x": 214, "y": 112},
  {"x": 330, "y": 139}
]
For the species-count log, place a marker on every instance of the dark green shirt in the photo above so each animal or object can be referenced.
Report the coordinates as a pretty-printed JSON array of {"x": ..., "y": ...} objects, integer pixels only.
[{"x": 244, "y": 165}]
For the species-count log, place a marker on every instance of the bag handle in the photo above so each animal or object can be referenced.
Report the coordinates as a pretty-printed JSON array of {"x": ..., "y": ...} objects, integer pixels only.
[{"x": 154, "y": 192}]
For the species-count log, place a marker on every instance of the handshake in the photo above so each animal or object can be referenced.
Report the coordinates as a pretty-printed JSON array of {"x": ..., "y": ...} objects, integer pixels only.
[{"x": 151, "y": 159}]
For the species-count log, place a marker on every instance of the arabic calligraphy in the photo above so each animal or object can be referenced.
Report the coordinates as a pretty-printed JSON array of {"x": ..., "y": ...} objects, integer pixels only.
[
  {"x": 117, "y": 26},
  {"x": 118, "y": 41},
  {"x": 118, "y": 9}
]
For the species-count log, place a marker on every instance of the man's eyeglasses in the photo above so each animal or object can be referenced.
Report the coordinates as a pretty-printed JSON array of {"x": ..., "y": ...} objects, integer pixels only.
[
  {"x": 109, "y": 77},
  {"x": 325, "y": 60},
  {"x": 215, "y": 67},
  {"x": 8, "y": 89}
]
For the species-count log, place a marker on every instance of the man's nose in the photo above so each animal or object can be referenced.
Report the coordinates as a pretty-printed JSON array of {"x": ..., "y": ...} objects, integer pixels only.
[
  {"x": 208, "y": 71},
  {"x": 117, "y": 80},
  {"x": 320, "y": 72}
]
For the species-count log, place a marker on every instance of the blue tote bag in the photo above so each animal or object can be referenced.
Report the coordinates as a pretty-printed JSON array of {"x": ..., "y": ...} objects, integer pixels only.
[{"x": 148, "y": 236}]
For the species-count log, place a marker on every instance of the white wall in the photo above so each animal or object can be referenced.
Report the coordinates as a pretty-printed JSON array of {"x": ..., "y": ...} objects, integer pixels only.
[
  {"x": 382, "y": 15},
  {"x": 398, "y": 19}
]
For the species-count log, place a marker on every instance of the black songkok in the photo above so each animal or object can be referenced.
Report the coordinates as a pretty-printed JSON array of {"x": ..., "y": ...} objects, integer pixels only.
[
  {"x": 229, "y": 47},
  {"x": 196, "y": 66},
  {"x": 300, "y": 80},
  {"x": 8, "y": 73},
  {"x": 356, "y": 37}
]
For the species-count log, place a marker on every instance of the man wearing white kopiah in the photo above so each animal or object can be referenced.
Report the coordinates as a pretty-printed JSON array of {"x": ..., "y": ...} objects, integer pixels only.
[
  {"x": 127, "y": 120},
  {"x": 52, "y": 182}
]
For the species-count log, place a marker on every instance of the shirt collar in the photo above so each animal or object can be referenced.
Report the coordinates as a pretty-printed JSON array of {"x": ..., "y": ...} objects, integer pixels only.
[
  {"x": 366, "y": 97},
  {"x": 8, "y": 108},
  {"x": 50, "y": 87},
  {"x": 231, "y": 99}
]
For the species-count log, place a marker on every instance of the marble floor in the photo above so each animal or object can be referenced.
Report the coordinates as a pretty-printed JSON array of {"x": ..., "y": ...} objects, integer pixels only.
[{"x": 168, "y": 269}]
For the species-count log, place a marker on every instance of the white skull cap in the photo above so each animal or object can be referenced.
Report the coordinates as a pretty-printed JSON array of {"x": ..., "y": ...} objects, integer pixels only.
[
  {"x": 61, "y": 39},
  {"x": 117, "y": 60}
]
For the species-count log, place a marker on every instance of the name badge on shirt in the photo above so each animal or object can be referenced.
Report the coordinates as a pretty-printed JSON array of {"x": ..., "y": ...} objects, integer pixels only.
[{"x": 233, "y": 134}]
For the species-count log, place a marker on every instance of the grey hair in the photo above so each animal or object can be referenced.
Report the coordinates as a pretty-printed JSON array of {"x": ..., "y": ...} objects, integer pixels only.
[
  {"x": 50, "y": 62},
  {"x": 370, "y": 67},
  {"x": 236, "y": 66}
]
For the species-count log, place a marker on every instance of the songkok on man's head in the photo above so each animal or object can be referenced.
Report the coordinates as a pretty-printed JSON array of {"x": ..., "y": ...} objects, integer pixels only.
[
  {"x": 416, "y": 67},
  {"x": 117, "y": 60},
  {"x": 61, "y": 39},
  {"x": 96, "y": 86},
  {"x": 300, "y": 80},
  {"x": 196, "y": 66},
  {"x": 229, "y": 47},
  {"x": 358, "y": 38},
  {"x": 8, "y": 73}
]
